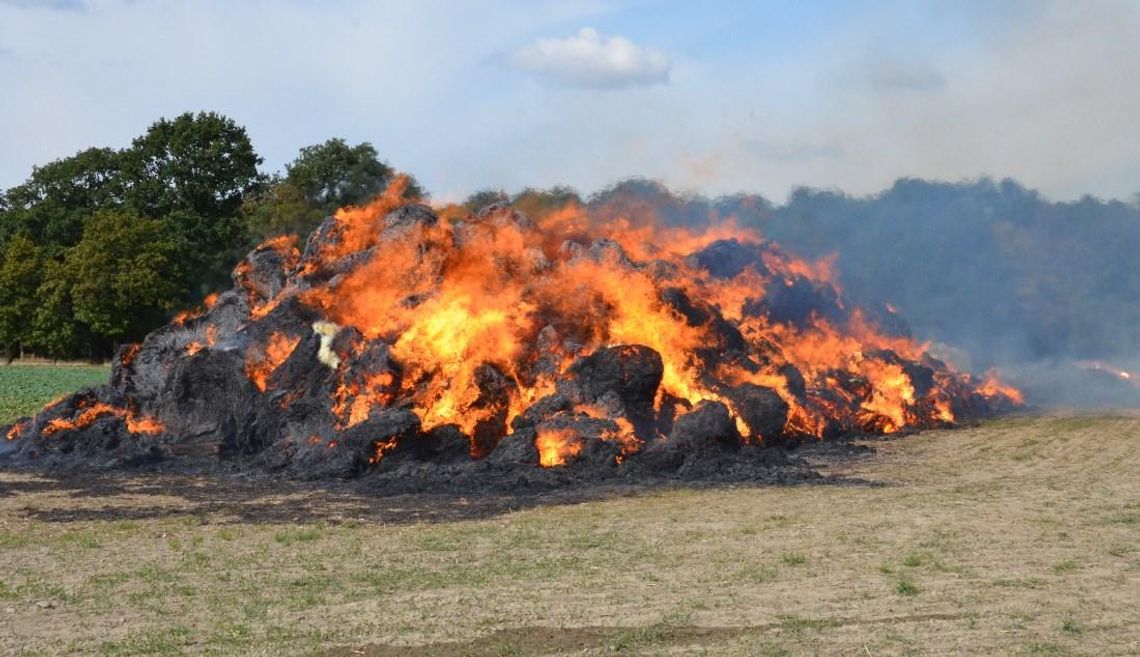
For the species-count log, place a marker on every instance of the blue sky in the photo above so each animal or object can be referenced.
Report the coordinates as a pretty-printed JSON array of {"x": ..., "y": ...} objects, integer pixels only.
[{"x": 713, "y": 97}]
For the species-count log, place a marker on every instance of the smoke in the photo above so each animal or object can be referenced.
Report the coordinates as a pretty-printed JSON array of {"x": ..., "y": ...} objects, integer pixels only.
[{"x": 991, "y": 273}]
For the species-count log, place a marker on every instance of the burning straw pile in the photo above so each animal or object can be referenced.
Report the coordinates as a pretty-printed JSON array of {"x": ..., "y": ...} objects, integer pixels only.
[{"x": 400, "y": 346}]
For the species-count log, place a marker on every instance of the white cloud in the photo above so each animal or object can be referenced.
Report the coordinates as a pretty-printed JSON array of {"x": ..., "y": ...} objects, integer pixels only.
[{"x": 590, "y": 59}]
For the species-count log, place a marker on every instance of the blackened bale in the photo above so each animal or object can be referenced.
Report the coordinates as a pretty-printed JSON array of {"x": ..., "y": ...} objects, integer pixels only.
[
  {"x": 633, "y": 372},
  {"x": 728, "y": 258},
  {"x": 708, "y": 426},
  {"x": 762, "y": 409},
  {"x": 213, "y": 407},
  {"x": 265, "y": 272}
]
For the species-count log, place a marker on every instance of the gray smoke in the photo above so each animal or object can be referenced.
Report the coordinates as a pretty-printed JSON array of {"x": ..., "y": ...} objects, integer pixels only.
[{"x": 993, "y": 273}]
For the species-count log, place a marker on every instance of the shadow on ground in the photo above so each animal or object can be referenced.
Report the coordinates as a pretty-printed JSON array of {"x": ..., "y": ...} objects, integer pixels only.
[{"x": 222, "y": 498}]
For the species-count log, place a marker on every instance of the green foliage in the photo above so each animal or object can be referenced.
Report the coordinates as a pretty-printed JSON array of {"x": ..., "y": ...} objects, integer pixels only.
[
  {"x": 200, "y": 164},
  {"x": 323, "y": 178},
  {"x": 537, "y": 203},
  {"x": 101, "y": 247},
  {"x": 484, "y": 197},
  {"x": 124, "y": 275},
  {"x": 55, "y": 332},
  {"x": 534, "y": 203},
  {"x": 194, "y": 173},
  {"x": 21, "y": 273},
  {"x": 52, "y": 205},
  {"x": 333, "y": 174},
  {"x": 281, "y": 209},
  {"x": 906, "y": 587}
]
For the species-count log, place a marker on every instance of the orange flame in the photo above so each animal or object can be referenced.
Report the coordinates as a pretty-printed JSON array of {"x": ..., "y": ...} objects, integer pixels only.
[
  {"x": 381, "y": 448},
  {"x": 992, "y": 388},
  {"x": 452, "y": 298},
  {"x": 556, "y": 446},
  {"x": 279, "y": 347},
  {"x": 92, "y": 412},
  {"x": 15, "y": 430},
  {"x": 131, "y": 352}
]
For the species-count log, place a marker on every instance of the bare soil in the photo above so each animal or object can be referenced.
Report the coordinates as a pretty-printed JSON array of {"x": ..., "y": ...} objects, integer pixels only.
[{"x": 1018, "y": 536}]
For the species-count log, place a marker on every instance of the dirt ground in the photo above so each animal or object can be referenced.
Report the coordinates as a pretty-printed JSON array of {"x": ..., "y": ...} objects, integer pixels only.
[{"x": 1017, "y": 537}]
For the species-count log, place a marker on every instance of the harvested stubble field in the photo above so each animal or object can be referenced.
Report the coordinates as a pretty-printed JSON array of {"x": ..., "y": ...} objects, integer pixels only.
[{"x": 1020, "y": 536}]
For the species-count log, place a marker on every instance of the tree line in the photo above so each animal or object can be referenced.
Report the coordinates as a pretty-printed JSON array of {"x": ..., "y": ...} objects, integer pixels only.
[{"x": 100, "y": 248}]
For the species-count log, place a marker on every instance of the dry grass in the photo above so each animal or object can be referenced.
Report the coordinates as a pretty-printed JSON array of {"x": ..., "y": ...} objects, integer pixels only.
[{"x": 1018, "y": 537}]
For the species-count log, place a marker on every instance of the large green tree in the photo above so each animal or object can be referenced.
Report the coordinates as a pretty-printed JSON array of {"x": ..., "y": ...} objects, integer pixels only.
[
  {"x": 100, "y": 247},
  {"x": 323, "y": 178},
  {"x": 200, "y": 163},
  {"x": 281, "y": 208},
  {"x": 54, "y": 331},
  {"x": 125, "y": 276},
  {"x": 537, "y": 203},
  {"x": 333, "y": 174},
  {"x": 52, "y": 205},
  {"x": 193, "y": 172},
  {"x": 21, "y": 274}
]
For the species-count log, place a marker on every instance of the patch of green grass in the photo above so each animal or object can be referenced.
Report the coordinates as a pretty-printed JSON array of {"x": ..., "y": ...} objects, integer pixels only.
[
  {"x": 105, "y": 581},
  {"x": 793, "y": 559},
  {"x": 291, "y": 535},
  {"x": 33, "y": 588},
  {"x": 913, "y": 560},
  {"x": 1021, "y": 582},
  {"x": 12, "y": 540},
  {"x": 80, "y": 539},
  {"x": 795, "y": 624},
  {"x": 633, "y": 640},
  {"x": 1076, "y": 423},
  {"x": 756, "y": 573},
  {"x": 1065, "y": 566},
  {"x": 163, "y": 641},
  {"x": 152, "y": 572},
  {"x": 195, "y": 560},
  {"x": 906, "y": 587},
  {"x": 772, "y": 649},
  {"x": 1125, "y": 518},
  {"x": 231, "y": 635},
  {"x": 1043, "y": 649},
  {"x": 24, "y": 389},
  {"x": 607, "y": 540},
  {"x": 1071, "y": 626}
]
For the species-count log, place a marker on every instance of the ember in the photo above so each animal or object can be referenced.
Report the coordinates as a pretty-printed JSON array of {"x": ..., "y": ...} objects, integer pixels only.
[{"x": 394, "y": 339}]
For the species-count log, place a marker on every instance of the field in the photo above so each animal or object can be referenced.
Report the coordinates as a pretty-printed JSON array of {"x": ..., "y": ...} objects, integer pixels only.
[
  {"x": 24, "y": 388},
  {"x": 1020, "y": 536}
]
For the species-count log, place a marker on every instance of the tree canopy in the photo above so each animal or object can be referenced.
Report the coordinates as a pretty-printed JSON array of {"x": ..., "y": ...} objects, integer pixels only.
[
  {"x": 103, "y": 246},
  {"x": 323, "y": 178}
]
